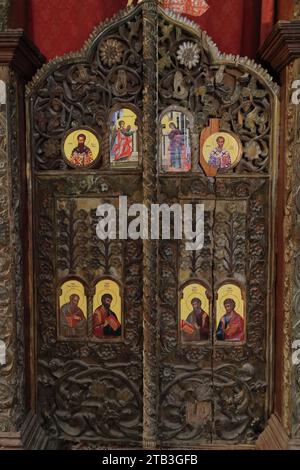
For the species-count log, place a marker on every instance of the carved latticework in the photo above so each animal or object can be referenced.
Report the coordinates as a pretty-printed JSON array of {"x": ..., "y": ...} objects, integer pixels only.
[{"x": 150, "y": 387}]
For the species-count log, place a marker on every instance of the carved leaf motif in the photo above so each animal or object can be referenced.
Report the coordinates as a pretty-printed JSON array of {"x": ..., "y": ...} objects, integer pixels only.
[{"x": 230, "y": 241}]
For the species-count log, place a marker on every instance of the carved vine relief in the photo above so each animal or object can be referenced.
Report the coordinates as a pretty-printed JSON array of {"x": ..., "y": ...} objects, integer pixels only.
[{"x": 212, "y": 378}]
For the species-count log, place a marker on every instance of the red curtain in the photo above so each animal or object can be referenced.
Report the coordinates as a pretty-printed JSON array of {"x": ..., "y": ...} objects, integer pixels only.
[{"x": 60, "y": 26}]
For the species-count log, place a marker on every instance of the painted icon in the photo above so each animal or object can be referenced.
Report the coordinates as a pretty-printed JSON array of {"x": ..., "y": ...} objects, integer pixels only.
[
  {"x": 107, "y": 306},
  {"x": 72, "y": 309},
  {"x": 124, "y": 138},
  {"x": 175, "y": 142},
  {"x": 81, "y": 148},
  {"x": 222, "y": 151},
  {"x": 194, "y": 313},
  {"x": 189, "y": 7},
  {"x": 230, "y": 314}
]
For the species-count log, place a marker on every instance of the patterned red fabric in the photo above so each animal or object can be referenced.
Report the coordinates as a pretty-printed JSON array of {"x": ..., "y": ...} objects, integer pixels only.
[
  {"x": 190, "y": 7},
  {"x": 60, "y": 26}
]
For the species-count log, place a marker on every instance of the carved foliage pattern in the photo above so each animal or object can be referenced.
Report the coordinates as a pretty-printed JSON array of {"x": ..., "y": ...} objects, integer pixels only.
[
  {"x": 80, "y": 382},
  {"x": 225, "y": 387},
  {"x": 83, "y": 94},
  {"x": 229, "y": 238},
  {"x": 7, "y": 382},
  {"x": 12, "y": 383},
  {"x": 78, "y": 247},
  {"x": 238, "y": 252},
  {"x": 150, "y": 317},
  {"x": 292, "y": 256},
  {"x": 4, "y": 12},
  {"x": 238, "y": 99},
  {"x": 244, "y": 386}
]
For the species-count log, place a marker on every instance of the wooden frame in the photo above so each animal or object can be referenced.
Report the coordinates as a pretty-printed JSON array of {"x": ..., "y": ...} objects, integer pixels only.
[{"x": 152, "y": 188}]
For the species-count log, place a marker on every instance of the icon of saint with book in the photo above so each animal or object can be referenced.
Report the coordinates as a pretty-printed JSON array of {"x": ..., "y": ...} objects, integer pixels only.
[
  {"x": 196, "y": 326},
  {"x": 73, "y": 322},
  {"x": 105, "y": 321}
]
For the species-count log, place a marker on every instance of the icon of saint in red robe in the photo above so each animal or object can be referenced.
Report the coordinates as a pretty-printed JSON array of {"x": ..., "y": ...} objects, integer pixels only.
[
  {"x": 231, "y": 326},
  {"x": 105, "y": 321},
  {"x": 122, "y": 142}
]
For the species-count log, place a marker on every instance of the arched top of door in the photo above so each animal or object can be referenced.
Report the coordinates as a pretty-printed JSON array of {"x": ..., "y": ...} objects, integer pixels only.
[
  {"x": 185, "y": 70},
  {"x": 135, "y": 14}
]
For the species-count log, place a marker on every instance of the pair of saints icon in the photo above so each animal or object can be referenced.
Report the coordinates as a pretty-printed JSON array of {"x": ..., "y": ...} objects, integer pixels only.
[
  {"x": 81, "y": 146},
  {"x": 73, "y": 314},
  {"x": 196, "y": 313}
]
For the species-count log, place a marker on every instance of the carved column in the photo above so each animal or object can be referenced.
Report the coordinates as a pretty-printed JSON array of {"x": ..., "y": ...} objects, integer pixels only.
[
  {"x": 4, "y": 13},
  {"x": 281, "y": 52},
  {"x": 19, "y": 60},
  {"x": 151, "y": 322}
]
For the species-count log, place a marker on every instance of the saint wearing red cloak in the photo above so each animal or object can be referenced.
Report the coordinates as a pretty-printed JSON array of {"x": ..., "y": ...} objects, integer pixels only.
[
  {"x": 105, "y": 321},
  {"x": 231, "y": 326},
  {"x": 123, "y": 145}
]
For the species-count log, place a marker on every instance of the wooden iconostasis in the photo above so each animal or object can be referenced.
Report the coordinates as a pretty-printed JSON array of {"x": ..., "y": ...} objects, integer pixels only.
[{"x": 138, "y": 337}]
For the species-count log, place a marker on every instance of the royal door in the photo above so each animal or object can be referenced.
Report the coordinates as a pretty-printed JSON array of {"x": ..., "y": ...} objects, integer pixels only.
[{"x": 144, "y": 342}]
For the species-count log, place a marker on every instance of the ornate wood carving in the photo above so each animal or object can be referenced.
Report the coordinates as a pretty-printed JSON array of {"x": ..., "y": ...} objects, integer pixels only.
[
  {"x": 191, "y": 394},
  {"x": 19, "y": 60},
  {"x": 8, "y": 382},
  {"x": 289, "y": 250},
  {"x": 150, "y": 313},
  {"x": 296, "y": 12},
  {"x": 106, "y": 73},
  {"x": 292, "y": 322},
  {"x": 285, "y": 36},
  {"x": 213, "y": 90},
  {"x": 4, "y": 11},
  {"x": 241, "y": 256},
  {"x": 104, "y": 365},
  {"x": 236, "y": 244},
  {"x": 12, "y": 295}
]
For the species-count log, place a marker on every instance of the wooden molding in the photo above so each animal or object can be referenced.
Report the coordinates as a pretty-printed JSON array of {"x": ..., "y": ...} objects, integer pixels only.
[
  {"x": 10, "y": 441},
  {"x": 281, "y": 46},
  {"x": 294, "y": 444},
  {"x": 18, "y": 52},
  {"x": 274, "y": 436},
  {"x": 31, "y": 436}
]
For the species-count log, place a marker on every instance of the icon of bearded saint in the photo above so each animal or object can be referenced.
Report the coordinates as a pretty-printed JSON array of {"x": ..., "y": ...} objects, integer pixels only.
[{"x": 189, "y": 7}]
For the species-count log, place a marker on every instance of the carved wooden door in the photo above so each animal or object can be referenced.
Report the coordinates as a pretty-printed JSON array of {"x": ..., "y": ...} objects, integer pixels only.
[{"x": 148, "y": 382}]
